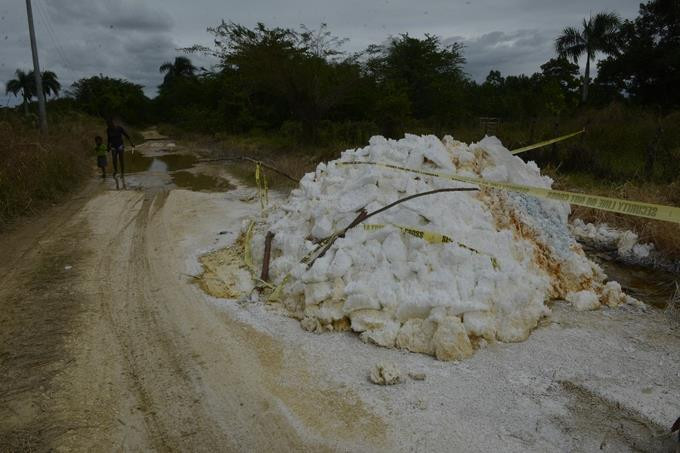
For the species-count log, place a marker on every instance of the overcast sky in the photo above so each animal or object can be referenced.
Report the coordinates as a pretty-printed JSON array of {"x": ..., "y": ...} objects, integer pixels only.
[{"x": 132, "y": 38}]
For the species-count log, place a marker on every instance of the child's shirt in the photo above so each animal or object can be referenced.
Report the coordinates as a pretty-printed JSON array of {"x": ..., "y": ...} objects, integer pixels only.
[{"x": 100, "y": 150}]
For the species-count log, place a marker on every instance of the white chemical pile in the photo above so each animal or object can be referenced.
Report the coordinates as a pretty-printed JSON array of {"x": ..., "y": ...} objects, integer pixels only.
[
  {"x": 510, "y": 255},
  {"x": 625, "y": 242}
]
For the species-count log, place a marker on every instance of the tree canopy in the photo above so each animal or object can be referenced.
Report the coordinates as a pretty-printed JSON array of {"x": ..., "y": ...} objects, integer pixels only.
[
  {"x": 300, "y": 83},
  {"x": 646, "y": 62},
  {"x": 110, "y": 97}
]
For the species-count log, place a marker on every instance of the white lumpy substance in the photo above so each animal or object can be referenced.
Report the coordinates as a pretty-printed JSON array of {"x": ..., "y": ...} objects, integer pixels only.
[
  {"x": 602, "y": 235},
  {"x": 397, "y": 290}
]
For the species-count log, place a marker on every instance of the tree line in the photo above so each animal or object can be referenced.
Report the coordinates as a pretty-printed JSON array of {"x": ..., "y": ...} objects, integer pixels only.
[{"x": 298, "y": 83}]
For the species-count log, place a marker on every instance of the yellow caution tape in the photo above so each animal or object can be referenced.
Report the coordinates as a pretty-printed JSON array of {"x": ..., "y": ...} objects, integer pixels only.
[
  {"x": 275, "y": 296},
  {"x": 546, "y": 142},
  {"x": 429, "y": 236},
  {"x": 262, "y": 185},
  {"x": 266, "y": 189},
  {"x": 258, "y": 183},
  {"x": 247, "y": 252},
  {"x": 634, "y": 208}
]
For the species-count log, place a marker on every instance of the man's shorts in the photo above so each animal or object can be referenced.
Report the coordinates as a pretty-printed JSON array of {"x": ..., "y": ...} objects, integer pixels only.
[{"x": 115, "y": 151}]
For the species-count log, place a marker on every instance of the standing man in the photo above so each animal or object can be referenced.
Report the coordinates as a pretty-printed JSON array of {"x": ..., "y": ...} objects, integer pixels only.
[{"x": 115, "y": 134}]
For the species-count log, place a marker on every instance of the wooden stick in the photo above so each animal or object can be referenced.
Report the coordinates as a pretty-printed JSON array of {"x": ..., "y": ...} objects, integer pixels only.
[
  {"x": 328, "y": 242},
  {"x": 363, "y": 215},
  {"x": 267, "y": 255}
]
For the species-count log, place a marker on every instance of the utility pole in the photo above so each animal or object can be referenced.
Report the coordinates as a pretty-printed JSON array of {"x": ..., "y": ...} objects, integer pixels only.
[{"x": 42, "y": 112}]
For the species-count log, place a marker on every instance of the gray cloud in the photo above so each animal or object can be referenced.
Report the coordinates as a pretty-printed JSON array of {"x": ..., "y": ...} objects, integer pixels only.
[
  {"x": 131, "y": 38},
  {"x": 118, "y": 14},
  {"x": 81, "y": 38},
  {"x": 516, "y": 52}
]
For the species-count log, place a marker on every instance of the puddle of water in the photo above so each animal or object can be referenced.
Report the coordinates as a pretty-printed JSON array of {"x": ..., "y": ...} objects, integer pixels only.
[
  {"x": 175, "y": 162},
  {"x": 200, "y": 182},
  {"x": 244, "y": 172},
  {"x": 137, "y": 162},
  {"x": 653, "y": 287}
]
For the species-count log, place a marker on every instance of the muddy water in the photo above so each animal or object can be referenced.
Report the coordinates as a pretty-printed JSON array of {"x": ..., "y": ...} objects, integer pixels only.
[
  {"x": 199, "y": 182},
  {"x": 180, "y": 168},
  {"x": 137, "y": 162},
  {"x": 653, "y": 287}
]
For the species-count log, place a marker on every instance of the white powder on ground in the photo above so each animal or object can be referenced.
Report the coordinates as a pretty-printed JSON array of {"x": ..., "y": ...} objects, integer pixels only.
[{"x": 397, "y": 290}]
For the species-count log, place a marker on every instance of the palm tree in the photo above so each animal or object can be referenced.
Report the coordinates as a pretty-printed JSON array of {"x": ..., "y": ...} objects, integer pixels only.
[
  {"x": 182, "y": 67},
  {"x": 24, "y": 84},
  {"x": 597, "y": 35},
  {"x": 51, "y": 85}
]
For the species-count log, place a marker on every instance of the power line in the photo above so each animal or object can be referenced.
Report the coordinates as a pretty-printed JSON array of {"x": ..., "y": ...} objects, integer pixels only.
[
  {"x": 42, "y": 11},
  {"x": 62, "y": 54}
]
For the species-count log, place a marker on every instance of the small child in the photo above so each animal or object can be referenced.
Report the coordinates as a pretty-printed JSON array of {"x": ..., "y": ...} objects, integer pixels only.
[{"x": 100, "y": 152}]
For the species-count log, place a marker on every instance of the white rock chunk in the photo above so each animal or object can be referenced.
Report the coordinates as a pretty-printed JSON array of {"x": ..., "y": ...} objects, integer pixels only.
[{"x": 385, "y": 373}]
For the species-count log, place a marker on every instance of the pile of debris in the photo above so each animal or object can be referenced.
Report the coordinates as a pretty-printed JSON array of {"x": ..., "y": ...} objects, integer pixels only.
[{"x": 505, "y": 254}]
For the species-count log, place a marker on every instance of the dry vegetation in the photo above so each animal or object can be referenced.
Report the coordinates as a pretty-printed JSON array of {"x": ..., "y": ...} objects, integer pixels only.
[{"x": 35, "y": 170}]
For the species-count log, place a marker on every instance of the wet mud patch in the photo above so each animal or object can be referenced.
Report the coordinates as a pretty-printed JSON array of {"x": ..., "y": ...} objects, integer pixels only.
[
  {"x": 174, "y": 162},
  {"x": 199, "y": 182},
  {"x": 138, "y": 162},
  {"x": 652, "y": 286}
]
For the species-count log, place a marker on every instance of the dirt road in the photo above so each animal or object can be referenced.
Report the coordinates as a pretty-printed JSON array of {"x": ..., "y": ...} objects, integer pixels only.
[{"x": 107, "y": 344}]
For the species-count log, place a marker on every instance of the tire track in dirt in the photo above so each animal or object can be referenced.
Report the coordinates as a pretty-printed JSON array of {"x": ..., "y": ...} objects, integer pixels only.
[
  {"x": 153, "y": 362},
  {"x": 122, "y": 352}
]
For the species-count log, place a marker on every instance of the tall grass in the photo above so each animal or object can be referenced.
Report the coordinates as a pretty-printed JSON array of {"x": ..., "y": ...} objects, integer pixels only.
[
  {"x": 613, "y": 148},
  {"x": 35, "y": 170}
]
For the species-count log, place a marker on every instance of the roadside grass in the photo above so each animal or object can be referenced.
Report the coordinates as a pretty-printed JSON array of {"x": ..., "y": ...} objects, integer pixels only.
[{"x": 37, "y": 170}]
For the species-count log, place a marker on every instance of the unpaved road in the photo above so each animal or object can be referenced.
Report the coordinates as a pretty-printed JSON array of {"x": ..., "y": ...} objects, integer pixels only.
[{"x": 107, "y": 344}]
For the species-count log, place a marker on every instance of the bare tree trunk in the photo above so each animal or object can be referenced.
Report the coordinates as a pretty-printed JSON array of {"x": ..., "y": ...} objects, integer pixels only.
[
  {"x": 25, "y": 106},
  {"x": 586, "y": 79}
]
